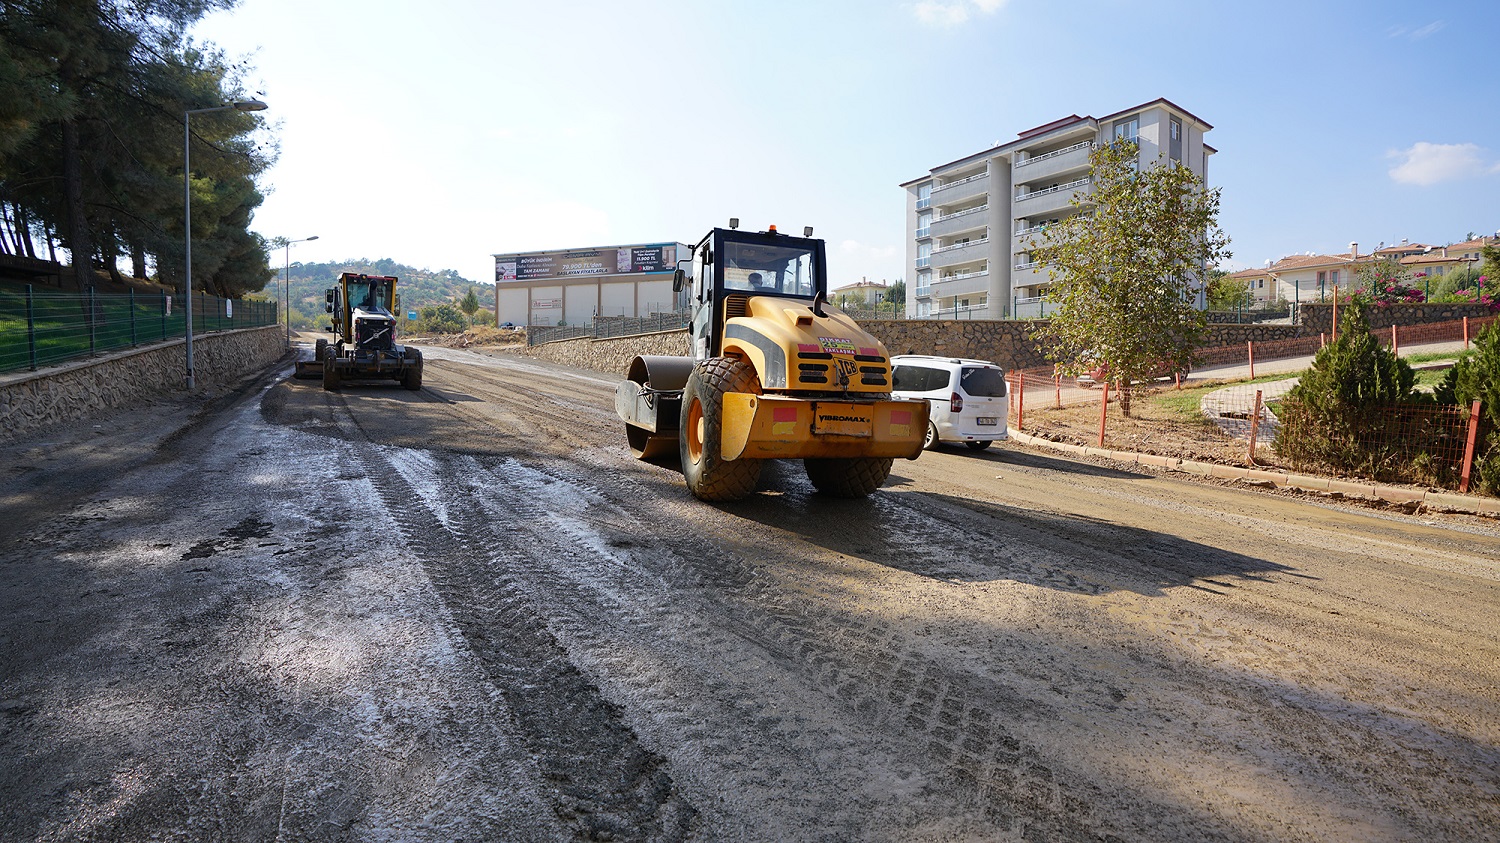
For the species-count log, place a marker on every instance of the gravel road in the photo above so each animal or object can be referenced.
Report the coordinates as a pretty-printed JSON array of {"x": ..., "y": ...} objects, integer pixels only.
[{"x": 465, "y": 613}]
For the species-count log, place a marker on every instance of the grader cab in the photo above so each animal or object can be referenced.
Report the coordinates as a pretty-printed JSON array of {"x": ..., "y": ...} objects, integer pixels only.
[{"x": 774, "y": 373}]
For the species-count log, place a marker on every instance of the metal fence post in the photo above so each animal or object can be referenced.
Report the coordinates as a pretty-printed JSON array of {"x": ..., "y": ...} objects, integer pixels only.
[
  {"x": 1255, "y": 426},
  {"x": 1466, "y": 333},
  {"x": 1103, "y": 411},
  {"x": 30, "y": 327},
  {"x": 132, "y": 318},
  {"x": 1250, "y": 348},
  {"x": 91, "y": 321},
  {"x": 1020, "y": 400},
  {"x": 1463, "y": 481},
  {"x": 1335, "y": 320},
  {"x": 1057, "y": 381},
  {"x": 1395, "y": 345}
]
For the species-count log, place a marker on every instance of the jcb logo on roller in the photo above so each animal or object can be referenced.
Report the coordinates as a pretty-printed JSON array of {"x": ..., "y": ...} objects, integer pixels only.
[{"x": 846, "y": 366}]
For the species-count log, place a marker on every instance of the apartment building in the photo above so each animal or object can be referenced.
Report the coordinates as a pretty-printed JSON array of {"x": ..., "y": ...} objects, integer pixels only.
[{"x": 969, "y": 222}]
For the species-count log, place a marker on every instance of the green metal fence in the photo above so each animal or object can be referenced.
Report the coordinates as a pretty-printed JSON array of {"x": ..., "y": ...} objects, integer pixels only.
[{"x": 43, "y": 326}]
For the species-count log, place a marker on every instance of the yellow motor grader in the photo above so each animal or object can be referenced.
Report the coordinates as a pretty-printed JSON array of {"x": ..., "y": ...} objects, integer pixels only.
[
  {"x": 775, "y": 373},
  {"x": 362, "y": 309}
]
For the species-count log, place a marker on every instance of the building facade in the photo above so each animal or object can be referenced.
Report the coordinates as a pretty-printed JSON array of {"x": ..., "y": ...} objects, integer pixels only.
[
  {"x": 1310, "y": 277},
  {"x": 577, "y": 286},
  {"x": 969, "y": 222}
]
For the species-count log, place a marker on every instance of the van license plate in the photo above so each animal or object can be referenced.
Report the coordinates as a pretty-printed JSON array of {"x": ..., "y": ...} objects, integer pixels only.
[{"x": 988, "y": 420}]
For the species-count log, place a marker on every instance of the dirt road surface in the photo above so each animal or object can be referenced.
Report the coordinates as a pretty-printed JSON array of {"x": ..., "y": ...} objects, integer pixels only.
[{"x": 465, "y": 613}]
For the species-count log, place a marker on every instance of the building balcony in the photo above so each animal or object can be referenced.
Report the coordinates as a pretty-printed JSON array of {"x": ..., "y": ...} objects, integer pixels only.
[
  {"x": 976, "y": 311},
  {"x": 1068, "y": 160},
  {"x": 1050, "y": 200},
  {"x": 965, "y": 220},
  {"x": 959, "y": 253},
  {"x": 953, "y": 192},
  {"x": 1029, "y": 275},
  {"x": 972, "y": 283}
]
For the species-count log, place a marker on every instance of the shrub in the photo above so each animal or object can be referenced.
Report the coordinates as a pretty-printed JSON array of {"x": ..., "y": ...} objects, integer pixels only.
[
  {"x": 440, "y": 319},
  {"x": 1478, "y": 376},
  {"x": 1337, "y": 403}
]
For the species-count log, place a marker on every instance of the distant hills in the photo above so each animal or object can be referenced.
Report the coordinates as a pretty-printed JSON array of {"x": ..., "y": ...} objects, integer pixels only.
[{"x": 418, "y": 288}]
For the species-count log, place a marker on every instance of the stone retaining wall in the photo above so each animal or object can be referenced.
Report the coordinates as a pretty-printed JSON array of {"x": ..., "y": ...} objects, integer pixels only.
[
  {"x": 31, "y": 400},
  {"x": 610, "y": 356},
  {"x": 1220, "y": 335},
  {"x": 1008, "y": 343},
  {"x": 1318, "y": 318}
]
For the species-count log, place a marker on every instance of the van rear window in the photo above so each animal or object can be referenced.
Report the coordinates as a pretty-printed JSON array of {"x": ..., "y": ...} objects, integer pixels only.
[
  {"x": 907, "y": 378},
  {"x": 983, "y": 382}
]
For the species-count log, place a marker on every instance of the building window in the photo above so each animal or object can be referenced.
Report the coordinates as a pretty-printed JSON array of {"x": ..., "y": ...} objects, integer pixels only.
[
  {"x": 1321, "y": 276},
  {"x": 1127, "y": 130},
  {"x": 1262, "y": 283},
  {"x": 1332, "y": 276},
  {"x": 1175, "y": 145}
]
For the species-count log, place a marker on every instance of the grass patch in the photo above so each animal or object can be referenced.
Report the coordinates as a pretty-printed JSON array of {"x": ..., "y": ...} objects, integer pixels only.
[
  {"x": 1182, "y": 405},
  {"x": 1430, "y": 356}
]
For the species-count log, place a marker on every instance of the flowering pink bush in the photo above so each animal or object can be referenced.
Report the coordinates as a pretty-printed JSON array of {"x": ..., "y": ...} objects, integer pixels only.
[
  {"x": 1388, "y": 292},
  {"x": 1474, "y": 297}
]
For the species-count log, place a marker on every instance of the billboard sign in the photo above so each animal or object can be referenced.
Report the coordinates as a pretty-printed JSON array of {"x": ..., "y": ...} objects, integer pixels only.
[{"x": 615, "y": 260}]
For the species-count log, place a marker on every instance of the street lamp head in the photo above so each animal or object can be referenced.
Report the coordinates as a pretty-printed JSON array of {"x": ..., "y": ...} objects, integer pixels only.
[
  {"x": 314, "y": 237},
  {"x": 249, "y": 105}
]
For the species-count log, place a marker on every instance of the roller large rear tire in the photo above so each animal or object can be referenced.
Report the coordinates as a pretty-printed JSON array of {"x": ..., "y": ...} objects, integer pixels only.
[
  {"x": 853, "y": 477},
  {"x": 709, "y": 476}
]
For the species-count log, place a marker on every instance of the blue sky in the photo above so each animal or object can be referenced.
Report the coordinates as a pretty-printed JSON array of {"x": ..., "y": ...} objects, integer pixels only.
[{"x": 440, "y": 133}]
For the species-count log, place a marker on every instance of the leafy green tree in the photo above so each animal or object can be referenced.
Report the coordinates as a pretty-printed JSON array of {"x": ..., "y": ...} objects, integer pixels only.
[
  {"x": 1337, "y": 404},
  {"x": 1226, "y": 293},
  {"x": 1125, "y": 277},
  {"x": 469, "y": 305},
  {"x": 896, "y": 292}
]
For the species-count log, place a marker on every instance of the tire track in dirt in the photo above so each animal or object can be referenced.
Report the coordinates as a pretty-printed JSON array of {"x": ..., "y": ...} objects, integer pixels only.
[{"x": 600, "y": 781}]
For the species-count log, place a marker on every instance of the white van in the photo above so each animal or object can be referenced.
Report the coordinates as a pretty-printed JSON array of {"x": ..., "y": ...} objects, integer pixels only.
[{"x": 967, "y": 399}]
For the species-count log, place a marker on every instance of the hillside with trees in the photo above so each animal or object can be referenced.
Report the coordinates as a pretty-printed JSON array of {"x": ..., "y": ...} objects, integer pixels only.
[{"x": 417, "y": 289}]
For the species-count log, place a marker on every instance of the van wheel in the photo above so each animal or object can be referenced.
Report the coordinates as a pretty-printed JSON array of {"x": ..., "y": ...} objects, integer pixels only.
[
  {"x": 979, "y": 446},
  {"x": 852, "y": 477},
  {"x": 931, "y": 442},
  {"x": 709, "y": 476}
]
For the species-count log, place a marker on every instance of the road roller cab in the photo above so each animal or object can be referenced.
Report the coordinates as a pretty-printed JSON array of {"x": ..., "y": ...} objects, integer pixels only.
[{"x": 775, "y": 373}]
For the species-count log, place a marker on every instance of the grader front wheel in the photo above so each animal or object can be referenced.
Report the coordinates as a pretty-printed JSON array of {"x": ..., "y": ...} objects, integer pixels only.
[{"x": 709, "y": 476}]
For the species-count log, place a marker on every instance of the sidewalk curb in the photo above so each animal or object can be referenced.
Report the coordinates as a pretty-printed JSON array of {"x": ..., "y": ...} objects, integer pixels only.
[{"x": 1443, "y": 501}]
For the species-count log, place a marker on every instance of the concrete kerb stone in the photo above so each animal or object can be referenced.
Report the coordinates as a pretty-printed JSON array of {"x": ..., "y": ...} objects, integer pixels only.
[
  {"x": 1463, "y": 503},
  {"x": 1446, "y": 501}
]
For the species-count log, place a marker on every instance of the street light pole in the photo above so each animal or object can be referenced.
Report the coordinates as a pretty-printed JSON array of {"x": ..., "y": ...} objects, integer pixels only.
[
  {"x": 287, "y": 244},
  {"x": 187, "y": 214}
]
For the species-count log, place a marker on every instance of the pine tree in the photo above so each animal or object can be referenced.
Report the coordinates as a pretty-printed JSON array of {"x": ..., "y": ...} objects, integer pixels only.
[{"x": 1337, "y": 404}]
